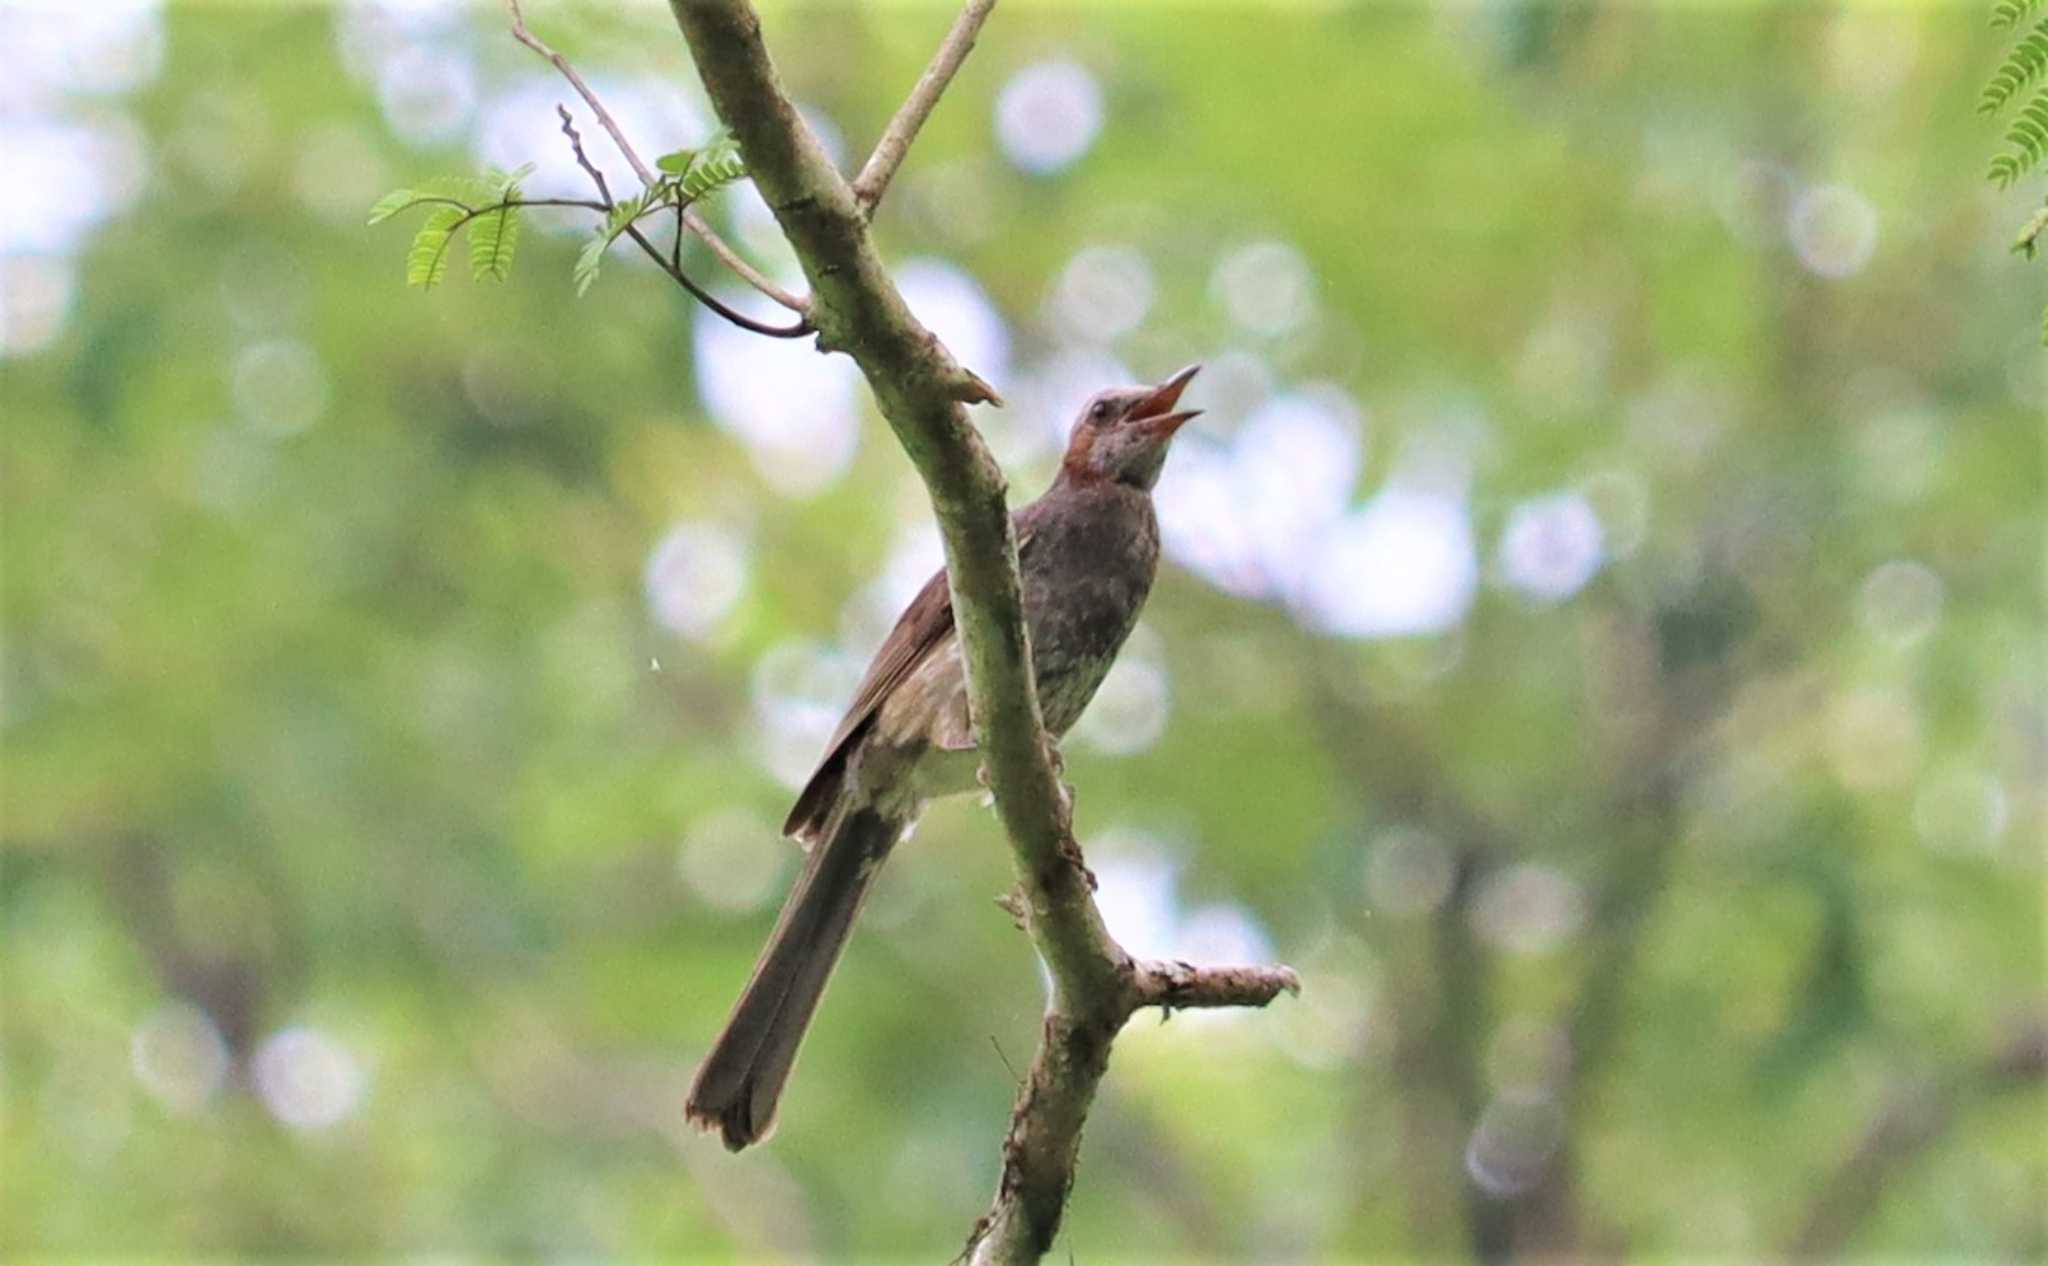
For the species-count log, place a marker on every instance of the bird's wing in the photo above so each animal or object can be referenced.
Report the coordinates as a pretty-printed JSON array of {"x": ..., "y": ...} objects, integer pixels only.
[{"x": 925, "y": 626}]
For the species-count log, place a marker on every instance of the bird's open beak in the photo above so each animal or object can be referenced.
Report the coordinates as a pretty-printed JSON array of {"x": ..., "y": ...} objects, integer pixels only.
[{"x": 1156, "y": 412}]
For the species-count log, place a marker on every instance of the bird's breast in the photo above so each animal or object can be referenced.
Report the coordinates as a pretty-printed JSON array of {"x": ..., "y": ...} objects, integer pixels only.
[{"x": 1086, "y": 576}]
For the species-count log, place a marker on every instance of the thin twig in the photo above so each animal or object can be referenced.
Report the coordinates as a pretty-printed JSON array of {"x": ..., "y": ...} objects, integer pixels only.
[
  {"x": 604, "y": 117},
  {"x": 731, "y": 258},
  {"x": 1014, "y": 1080},
  {"x": 585, "y": 203},
  {"x": 873, "y": 181},
  {"x": 669, "y": 265},
  {"x": 582, "y": 159},
  {"x": 797, "y": 329},
  {"x": 502, "y": 203},
  {"x": 740, "y": 267}
]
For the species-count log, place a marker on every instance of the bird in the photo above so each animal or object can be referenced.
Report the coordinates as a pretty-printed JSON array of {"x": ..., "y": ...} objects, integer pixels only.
[{"x": 1087, "y": 552}]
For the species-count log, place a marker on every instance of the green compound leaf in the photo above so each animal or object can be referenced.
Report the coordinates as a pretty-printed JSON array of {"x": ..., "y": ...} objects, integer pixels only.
[
  {"x": 712, "y": 168},
  {"x": 587, "y": 261},
  {"x": 394, "y": 202},
  {"x": 487, "y": 205},
  {"x": 494, "y": 235},
  {"x": 592, "y": 255},
  {"x": 2008, "y": 13},
  {"x": 2022, "y": 65},
  {"x": 2028, "y": 137},
  {"x": 427, "y": 262}
]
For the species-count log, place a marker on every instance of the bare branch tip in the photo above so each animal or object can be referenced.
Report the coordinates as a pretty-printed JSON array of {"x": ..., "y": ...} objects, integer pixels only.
[
  {"x": 1180, "y": 985},
  {"x": 568, "y": 72},
  {"x": 604, "y": 192},
  {"x": 894, "y": 145},
  {"x": 976, "y": 390}
]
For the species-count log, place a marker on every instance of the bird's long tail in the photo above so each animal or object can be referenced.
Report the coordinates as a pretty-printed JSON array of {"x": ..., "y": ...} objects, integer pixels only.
[{"x": 740, "y": 1082}]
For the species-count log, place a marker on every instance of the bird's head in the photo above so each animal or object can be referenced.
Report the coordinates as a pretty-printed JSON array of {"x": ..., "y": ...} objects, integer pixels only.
[{"x": 1122, "y": 433}]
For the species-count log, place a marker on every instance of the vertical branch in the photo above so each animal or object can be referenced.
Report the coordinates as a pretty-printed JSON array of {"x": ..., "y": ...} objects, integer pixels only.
[
  {"x": 1444, "y": 1010},
  {"x": 233, "y": 987},
  {"x": 1457, "y": 1040}
]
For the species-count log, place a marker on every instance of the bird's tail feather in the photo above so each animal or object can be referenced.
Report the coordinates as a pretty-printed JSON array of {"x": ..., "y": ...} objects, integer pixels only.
[{"x": 740, "y": 1082}]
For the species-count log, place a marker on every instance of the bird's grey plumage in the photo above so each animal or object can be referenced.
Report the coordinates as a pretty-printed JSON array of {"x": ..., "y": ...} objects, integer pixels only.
[{"x": 1088, "y": 550}]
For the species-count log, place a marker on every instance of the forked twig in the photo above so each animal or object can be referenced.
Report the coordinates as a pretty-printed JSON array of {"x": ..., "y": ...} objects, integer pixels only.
[
  {"x": 690, "y": 216},
  {"x": 670, "y": 265}
]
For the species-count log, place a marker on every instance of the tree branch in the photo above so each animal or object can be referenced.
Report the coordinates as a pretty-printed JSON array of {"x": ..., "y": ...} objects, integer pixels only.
[
  {"x": 232, "y": 985},
  {"x": 561, "y": 63},
  {"x": 731, "y": 258},
  {"x": 1043, "y": 1146},
  {"x": 741, "y": 268},
  {"x": 921, "y": 391},
  {"x": 672, "y": 264},
  {"x": 1915, "y": 1115},
  {"x": 1177, "y": 985},
  {"x": 604, "y": 191},
  {"x": 873, "y": 181},
  {"x": 1441, "y": 1004}
]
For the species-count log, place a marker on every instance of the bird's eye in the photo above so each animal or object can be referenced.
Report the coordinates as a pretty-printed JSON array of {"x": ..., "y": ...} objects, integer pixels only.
[{"x": 1099, "y": 410}]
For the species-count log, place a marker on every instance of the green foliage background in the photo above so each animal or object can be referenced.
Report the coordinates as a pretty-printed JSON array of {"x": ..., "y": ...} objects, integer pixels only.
[{"x": 357, "y": 730}]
